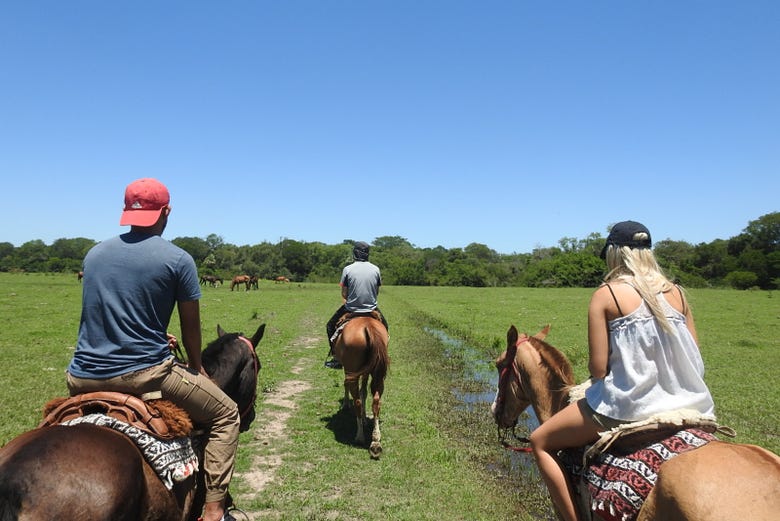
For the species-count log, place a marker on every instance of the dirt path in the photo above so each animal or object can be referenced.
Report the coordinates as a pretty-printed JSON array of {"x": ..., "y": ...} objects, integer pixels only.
[{"x": 270, "y": 441}]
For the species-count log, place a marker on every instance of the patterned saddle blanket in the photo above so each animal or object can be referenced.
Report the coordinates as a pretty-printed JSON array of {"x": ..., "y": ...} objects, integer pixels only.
[
  {"x": 618, "y": 483},
  {"x": 174, "y": 460}
]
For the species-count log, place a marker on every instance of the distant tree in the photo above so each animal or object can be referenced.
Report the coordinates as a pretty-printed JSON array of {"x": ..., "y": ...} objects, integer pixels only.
[
  {"x": 214, "y": 241},
  {"x": 713, "y": 261},
  {"x": 195, "y": 246},
  {"x": 763, "y": 234},
  {"x": 74, "y": 249},
  {"x": 742, "y": 279},
  {"x": 32, "y": 256},
  {"x": 297, "y": 258},
  {"x": 390, "y": 242}
]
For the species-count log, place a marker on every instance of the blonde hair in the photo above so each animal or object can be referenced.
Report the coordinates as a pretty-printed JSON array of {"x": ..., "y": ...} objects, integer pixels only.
[{"x": 639, "y": 268}]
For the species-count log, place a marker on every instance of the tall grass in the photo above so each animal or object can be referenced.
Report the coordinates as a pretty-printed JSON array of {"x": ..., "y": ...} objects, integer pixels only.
[{"x": 441, "y": 459}]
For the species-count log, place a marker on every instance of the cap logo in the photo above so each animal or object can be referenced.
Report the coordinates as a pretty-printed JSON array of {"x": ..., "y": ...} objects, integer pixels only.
[{"x": 136, "y": 206}]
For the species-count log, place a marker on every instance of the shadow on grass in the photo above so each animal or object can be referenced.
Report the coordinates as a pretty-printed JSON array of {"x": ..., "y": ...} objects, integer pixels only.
[{"x": 342, "y": 424}]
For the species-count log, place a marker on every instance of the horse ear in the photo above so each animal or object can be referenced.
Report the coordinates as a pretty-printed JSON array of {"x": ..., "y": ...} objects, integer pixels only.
[
  {"x": 511, "y": 342},
  {"x": 258, "y": 335},
  {"x": 543, "y": 333},
  {"x": 220, "y": 332},
  {"x": 511, "y": 336}
]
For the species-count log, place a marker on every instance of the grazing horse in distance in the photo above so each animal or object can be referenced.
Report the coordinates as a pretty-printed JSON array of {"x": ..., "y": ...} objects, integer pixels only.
[
  {"x": 254, "y": 282},
  {"x": 281, "y": 279},
  {"x": 79, "y": 276},
  {"x": 94, "y": 473},
  {"x": 238, "y": 280},
  {"x": 211, "y": 280},
  {"x": 361, "y": 348},
  {"x": 717, "y": 481}
]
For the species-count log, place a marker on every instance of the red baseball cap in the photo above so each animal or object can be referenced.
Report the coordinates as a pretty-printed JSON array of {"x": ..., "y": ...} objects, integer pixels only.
[{"x": 144, "y": 201}]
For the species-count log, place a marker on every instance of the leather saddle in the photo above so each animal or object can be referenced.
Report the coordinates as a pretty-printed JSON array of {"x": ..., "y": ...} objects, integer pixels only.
[{"x": 160, "y": 418}]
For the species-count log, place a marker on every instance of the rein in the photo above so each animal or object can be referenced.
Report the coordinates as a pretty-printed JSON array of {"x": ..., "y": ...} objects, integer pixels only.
[
  {"x": 251, "y": 402},
  {"x": 506, "y": 376}
]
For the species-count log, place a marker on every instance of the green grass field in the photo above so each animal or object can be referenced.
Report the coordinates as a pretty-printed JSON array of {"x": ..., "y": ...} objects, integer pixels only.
[{"x": 441, "y": 459}]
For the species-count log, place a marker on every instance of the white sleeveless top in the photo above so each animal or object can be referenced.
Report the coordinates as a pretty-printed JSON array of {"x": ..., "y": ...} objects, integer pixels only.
[{"x": 650, "y": 370}]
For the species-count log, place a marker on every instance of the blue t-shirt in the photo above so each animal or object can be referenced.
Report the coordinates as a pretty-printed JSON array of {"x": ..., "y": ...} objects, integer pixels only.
[{"x": 131, "y": 285}]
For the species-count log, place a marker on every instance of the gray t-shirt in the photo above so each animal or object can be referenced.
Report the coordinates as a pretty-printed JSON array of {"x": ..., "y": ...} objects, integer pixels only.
[
  {"x": 362, "y": 280},
  {"x": 131, "y": 285}
]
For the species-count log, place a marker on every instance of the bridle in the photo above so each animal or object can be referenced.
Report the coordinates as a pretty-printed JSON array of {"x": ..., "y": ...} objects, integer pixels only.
[{"x": 508, "y": 374}]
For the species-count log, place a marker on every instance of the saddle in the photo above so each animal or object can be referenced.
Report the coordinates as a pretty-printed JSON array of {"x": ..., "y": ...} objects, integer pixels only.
[
  {"x": 346, "y": 317},
  {"x": 160, "y": 418}
]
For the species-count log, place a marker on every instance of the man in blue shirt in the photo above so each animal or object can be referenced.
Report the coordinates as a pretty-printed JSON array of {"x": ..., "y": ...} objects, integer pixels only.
[
  {"x": 131, "y": 284},
  {"x": 359, "y": 283}
]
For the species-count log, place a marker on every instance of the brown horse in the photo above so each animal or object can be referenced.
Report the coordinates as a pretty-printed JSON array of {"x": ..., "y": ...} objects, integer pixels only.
[
  {"x": 361, "y": 347},
  {"x": 79, "y": 276},
  {"x": 211, "y": 280},
  {"x": 281, "y": 279},
  {"x": 717, "y": 482},
  {"x": 238, "y": 280},
  {"x": 93, "y": 473}
]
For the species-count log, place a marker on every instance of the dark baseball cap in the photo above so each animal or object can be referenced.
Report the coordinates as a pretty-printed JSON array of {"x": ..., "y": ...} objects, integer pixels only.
[
  {"x": 624, "y": 234},
  {"x": 360, "y": 250}
]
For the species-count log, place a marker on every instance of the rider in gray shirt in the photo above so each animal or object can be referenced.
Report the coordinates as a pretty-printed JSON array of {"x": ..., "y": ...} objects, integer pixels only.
[{"x": 359, "y": 283}]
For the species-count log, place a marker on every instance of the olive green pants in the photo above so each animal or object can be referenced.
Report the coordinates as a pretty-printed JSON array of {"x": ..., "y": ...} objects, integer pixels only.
[{"x": 208, "y": 406}]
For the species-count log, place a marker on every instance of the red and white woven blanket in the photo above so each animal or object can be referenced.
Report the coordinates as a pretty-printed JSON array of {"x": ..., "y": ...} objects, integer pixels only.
[{"x": 619, "y": 484}]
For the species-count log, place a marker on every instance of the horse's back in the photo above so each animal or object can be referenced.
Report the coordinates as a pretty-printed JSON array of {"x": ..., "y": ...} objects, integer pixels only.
[
  {"x": 355, "y": 331},
  {"x": 80, "y": 472},
  {"x": 362, "y": 346},
  {"x": 718, "y": 482}
]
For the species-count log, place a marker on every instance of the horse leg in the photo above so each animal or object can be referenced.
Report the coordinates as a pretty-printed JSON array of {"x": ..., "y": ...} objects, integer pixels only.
[
  {"x": 352, "y": 396},
  {"x": 360, "y": 410},
  {"x": 376, "y": 436}
]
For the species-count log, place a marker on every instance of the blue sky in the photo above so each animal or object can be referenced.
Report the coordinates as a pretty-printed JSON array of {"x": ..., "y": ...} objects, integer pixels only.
[{"x": 507, "y": 123}]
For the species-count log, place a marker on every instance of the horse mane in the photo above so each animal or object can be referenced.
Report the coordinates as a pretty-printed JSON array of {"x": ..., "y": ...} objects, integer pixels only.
[
  {"x": 210, "y": 357},
  {"x": 553, "y": 360}
]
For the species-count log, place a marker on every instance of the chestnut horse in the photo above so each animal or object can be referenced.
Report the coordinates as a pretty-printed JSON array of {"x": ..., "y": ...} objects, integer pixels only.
[
  {"x": 93, "y": 473},
  {"x": 717, "y": 482},
  {"x": 361, "y": 347},
  {"x": 238, "y": 280}
]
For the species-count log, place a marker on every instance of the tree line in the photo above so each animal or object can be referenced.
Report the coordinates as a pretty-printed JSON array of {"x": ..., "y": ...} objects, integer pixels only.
[{"x": 749, "y": 260}]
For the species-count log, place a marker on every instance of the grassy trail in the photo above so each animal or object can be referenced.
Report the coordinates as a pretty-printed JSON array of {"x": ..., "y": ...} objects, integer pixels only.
[{"x": 441, "y": 459}]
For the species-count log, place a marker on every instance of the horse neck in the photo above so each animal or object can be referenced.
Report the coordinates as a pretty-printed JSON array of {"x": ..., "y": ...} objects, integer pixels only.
[{"x": 544, "y": 384}]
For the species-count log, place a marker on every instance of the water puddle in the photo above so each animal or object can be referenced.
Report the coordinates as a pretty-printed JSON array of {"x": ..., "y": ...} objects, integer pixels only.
[{"x": 478, "y": 397}]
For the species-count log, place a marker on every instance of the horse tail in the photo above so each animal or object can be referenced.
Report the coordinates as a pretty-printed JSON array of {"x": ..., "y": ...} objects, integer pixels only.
[{"x": 379, "y": 358}]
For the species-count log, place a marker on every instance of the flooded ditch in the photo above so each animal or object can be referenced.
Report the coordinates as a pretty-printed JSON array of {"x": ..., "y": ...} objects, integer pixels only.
[
  {"x": 479, "y": 388},
  {"x": 474, "y": 394}
]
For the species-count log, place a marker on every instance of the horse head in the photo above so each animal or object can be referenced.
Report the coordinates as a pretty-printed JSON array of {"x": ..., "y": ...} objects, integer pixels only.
[
  {"x": 511, "y": 396},
  {"x": 231, "y": 361},
  {"x": 530, "y": 372}
]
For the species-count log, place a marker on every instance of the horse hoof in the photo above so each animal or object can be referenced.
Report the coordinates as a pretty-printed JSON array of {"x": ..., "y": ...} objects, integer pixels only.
[{"x": 375, "y": 450}]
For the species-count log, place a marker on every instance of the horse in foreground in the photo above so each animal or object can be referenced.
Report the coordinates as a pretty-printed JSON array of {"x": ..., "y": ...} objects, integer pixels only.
[
  {"x": 90, "y": 472},
  {"x": 361, "y": 348},
  {"x": 718, "y": 481}
]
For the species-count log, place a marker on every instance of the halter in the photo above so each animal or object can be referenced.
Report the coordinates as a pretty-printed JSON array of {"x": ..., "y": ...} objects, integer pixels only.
[
  {"x": 506, "y": 376},
  {"x": 251, "y": 402}
]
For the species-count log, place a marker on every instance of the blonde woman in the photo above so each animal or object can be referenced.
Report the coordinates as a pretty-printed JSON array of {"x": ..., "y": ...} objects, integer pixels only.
[{"x": 644, "y": 357}]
